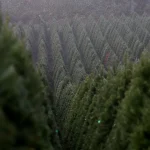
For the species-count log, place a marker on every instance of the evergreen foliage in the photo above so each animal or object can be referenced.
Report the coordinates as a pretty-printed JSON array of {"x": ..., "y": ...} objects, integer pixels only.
[
  {"x": 91, "y": 60},
  {"x": 132, "y": 128},
  {"x": 71, "y": 54},
  {"x": 24, "y": 122},
  {"x": 109, "y": 110},
  {"x": 102, "y": 47},
  {"x": 62, "y": 85},
  {"x": 89, "y": 45}
]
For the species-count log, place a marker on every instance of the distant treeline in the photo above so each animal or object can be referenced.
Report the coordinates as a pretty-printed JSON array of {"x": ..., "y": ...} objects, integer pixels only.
[{"x": 27, "y": 10}]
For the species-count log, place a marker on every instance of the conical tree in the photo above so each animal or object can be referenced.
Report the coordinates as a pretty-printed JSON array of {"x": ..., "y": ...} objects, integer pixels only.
[{"x": 22, "y": 113}]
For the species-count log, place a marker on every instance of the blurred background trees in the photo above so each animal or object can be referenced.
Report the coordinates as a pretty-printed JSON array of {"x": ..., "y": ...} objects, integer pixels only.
[{"x": 26, "y": 9}]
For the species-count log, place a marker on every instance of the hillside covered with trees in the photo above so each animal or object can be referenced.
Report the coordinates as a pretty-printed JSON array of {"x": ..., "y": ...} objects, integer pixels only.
[{"x": 75, "y": 76}]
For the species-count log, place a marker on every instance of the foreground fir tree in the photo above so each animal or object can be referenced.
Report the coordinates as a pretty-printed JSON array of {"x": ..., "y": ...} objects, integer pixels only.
[
  {"x": 132, "y": 124},
  {"x": 112, "y": 112},
  {"x": 24, "y": 124}
]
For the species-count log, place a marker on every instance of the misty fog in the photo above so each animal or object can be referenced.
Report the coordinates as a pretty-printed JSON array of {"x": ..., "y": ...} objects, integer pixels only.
[{"x": 27, "y": 10}]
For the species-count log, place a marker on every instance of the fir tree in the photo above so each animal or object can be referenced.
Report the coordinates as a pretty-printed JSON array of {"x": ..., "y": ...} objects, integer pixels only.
[{"x": 22, "y": 113}]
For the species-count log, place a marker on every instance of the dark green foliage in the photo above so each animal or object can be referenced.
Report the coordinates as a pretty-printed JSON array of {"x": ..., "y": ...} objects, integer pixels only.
[
  {"x": 24, "y": 123},
  {"x": 99, "y": 101},
  {"x": 132, "y": 124},
  {"x": 112, "y": 112}
]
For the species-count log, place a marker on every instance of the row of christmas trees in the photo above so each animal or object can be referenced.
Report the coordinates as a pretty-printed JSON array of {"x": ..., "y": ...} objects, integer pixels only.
[{"x": 87, "y": 45}]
